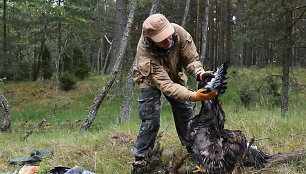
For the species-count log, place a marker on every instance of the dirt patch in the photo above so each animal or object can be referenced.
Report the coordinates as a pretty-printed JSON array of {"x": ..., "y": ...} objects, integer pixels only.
[{"x": 120, "y": 139}]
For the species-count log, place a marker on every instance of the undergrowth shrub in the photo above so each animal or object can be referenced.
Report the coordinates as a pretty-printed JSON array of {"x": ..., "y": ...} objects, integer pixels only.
[
  {"x": 75, "y": 62},
  {"x": 266, "y": 95},
  {"x": 81, "y": 66},
  {"x": 67, "y": 81},
  {"x": 273, "y": 96},
  {"x": 245, "y": 95}
]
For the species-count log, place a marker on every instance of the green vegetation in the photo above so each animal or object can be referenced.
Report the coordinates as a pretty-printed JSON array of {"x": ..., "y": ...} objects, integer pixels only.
[
  {"x": 46, "y": 64},
  {"x": 105, "y": 147},
  {"x": 67, "y": 80}
]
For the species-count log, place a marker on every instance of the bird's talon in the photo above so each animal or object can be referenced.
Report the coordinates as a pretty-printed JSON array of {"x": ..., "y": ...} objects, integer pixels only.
[{"x": 199, "y": 169}]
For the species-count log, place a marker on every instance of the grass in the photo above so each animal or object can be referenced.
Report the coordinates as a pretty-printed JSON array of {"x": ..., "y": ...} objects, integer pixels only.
[{"x": 106, "y": 146}]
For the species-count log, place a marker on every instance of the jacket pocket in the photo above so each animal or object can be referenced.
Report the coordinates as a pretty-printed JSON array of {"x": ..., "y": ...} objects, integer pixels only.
[
  {"x": 141, "y": 70},
  {"x": 144, "y": 67},
  {"x": 182, "y": 78}
]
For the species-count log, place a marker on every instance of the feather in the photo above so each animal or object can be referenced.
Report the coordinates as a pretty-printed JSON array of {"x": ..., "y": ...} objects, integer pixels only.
[{"x": 216, "y": 149}]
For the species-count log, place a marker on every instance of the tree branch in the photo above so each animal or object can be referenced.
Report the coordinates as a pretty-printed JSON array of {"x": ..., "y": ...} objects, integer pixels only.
[
  {"x": 298, "y": 18},
  {"x": 106, "y": 38},
  {"x": 39, "y": 125}
]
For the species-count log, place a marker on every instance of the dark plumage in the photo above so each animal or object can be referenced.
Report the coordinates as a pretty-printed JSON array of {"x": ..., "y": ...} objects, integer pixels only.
[{"x": 216, "y": 149}]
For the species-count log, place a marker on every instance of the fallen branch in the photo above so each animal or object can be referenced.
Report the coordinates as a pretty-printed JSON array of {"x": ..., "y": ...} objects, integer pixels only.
[
  {"x": 65, "y": 122},
  {"x": 278, "y": 159},
  {"x": 30, "y": 132},
  {"x": 180, "y": 162},
  {"x": 285, "y": 157}
]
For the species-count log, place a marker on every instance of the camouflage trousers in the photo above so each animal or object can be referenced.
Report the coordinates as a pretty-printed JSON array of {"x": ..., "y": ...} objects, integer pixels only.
[{"x": 149, "y": 112}]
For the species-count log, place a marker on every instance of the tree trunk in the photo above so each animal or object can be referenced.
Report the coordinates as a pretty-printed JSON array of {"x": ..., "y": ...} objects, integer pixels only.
[
  {"x": 154, "y": 7},
  {"x": 197, "y": 35},
  {"x": 42, "y": 46},
  {"x": 59, "y": 38},
  {"x": 6, "y": 120},
  {"x": 211, "y": 41},
  {"x": 204, "y": 32},
  {"x": 99, "y": 56},
  {"x": 185, "y": 13},
  {"x": 106, "y": 62},
  {"x": 4, "y": 57},
  {"x": 286, "y": 55},
  {"x": 98, "y": 100},
  {"x": 121, "y": 8},
  {"x": 240, "y": 45},
  {"x": 220, "y": 32},
  {"x": 227, "y": 31},
  {"x": 126, "y": 106}
]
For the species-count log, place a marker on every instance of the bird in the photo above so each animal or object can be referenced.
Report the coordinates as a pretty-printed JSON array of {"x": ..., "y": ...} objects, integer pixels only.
[{"x": 214, "y": 148}]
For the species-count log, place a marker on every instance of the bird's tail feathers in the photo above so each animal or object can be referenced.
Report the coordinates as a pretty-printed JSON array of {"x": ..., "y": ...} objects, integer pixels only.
[
  {"x": 219, "y": 81},
  {"x": 255, "y": 157}
]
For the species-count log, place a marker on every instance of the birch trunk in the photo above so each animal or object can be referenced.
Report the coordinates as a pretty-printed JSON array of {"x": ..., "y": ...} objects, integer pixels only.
[
  {"x": 154, "y": 7},
  {"x": 106, "y": 60},
  {"x": 100, "y": 97},
  {"x": 6, "y": 120},
  {"x": 126, "y": 106}
]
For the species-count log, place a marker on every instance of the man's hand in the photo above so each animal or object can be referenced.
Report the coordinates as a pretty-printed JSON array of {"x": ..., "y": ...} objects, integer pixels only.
[
  {"x": 204, "y": 75},
  {"x": 200, "y": 96}
]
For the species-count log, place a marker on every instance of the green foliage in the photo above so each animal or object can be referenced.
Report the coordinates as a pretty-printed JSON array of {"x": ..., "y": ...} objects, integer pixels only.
[
  {"x": 245, "y": 96},
  {"x": 273, "y": 92},
  {"x": 262, "y": 24},
  {"x": 75, "y": 62},
  {"x": 263, "y": 89},
  {"x": 67, "y": 63},
  {"x": 46, "y": 65},
  {"x": 35, "y": 70},
  {"x": 67, "y": 81},
  {"x": 23, "y": 71},
  {"x": 81, "y": 67}
]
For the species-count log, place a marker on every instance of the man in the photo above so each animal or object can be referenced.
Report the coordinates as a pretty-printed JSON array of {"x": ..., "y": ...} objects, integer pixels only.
[{"x": 163, "y": 51}]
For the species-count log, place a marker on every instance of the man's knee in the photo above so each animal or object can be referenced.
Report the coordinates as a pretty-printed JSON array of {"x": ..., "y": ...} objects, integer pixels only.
[{"x": 150, "y": 125}]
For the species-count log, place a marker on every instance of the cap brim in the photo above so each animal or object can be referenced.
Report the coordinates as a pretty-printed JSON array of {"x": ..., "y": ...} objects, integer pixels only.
[{"x": 163, "y": 34}]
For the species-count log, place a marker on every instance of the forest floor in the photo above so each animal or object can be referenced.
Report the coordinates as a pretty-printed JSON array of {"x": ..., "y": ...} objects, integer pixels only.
[{"x": 250, "y": 104}]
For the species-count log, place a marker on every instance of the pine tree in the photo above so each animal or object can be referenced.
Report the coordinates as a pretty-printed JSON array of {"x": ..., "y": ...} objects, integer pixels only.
[{"x": 46, "y": 65}]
